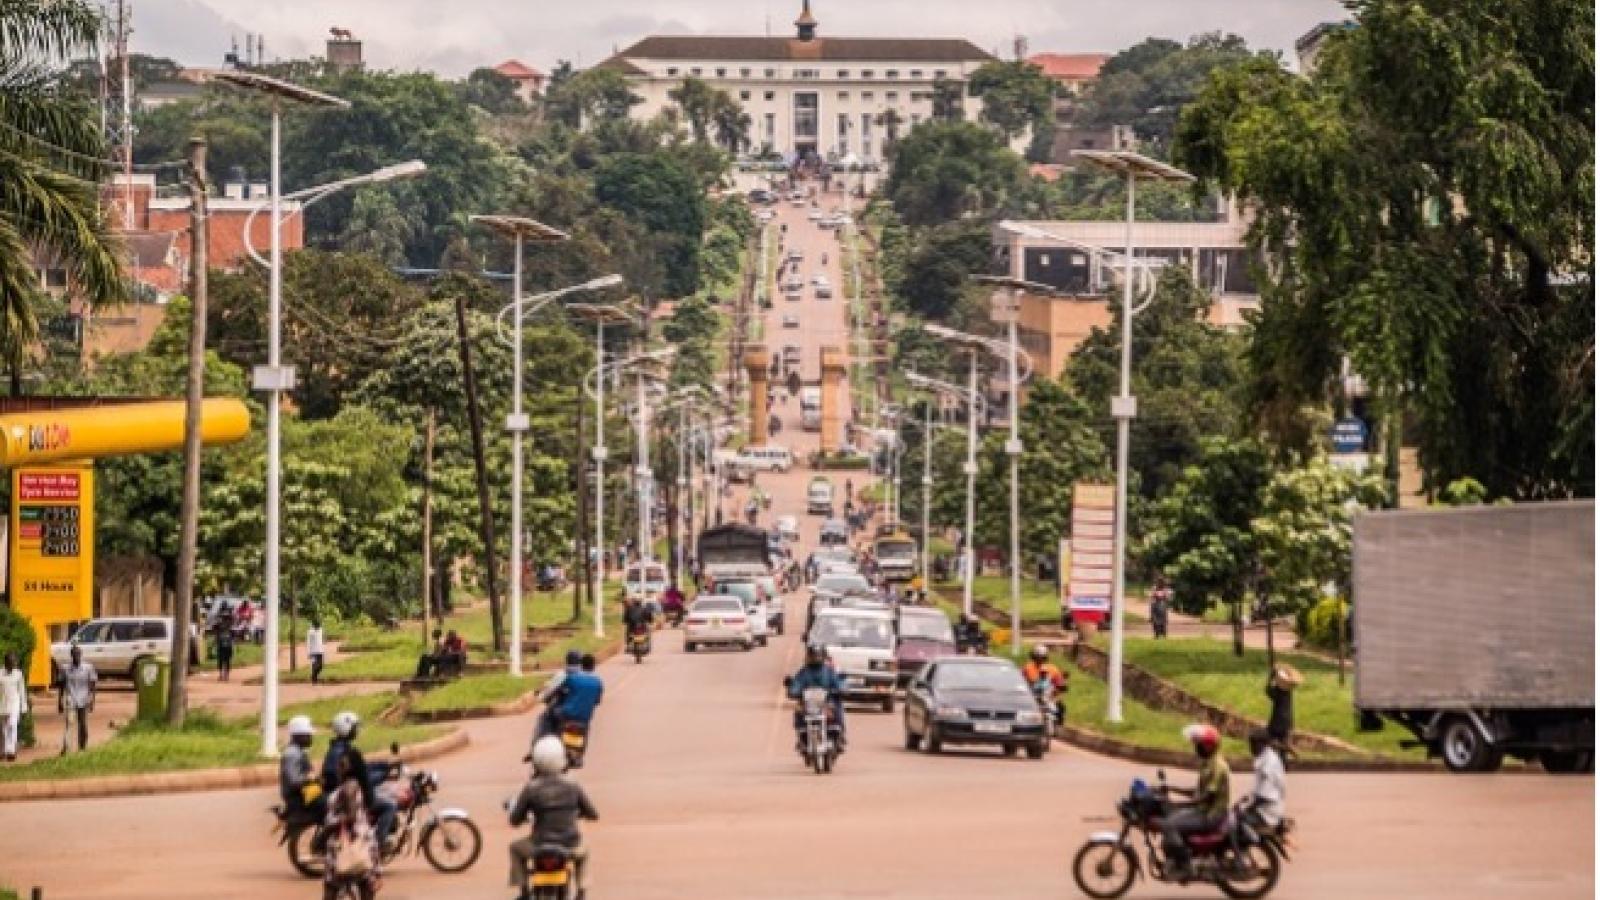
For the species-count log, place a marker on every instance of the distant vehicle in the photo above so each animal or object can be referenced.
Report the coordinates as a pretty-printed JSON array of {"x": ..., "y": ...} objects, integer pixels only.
[
  {"x": 822, "y": 291},
  {"x": 790, "y": 320},
  {"x": 732, "y": 550},
  {"x": 835, "y": 533},
  {"x": 925, "y": 634},
  {"x": 761, "y": 195},
  {"x": 789, "y": 527},
  {"x": 794, "y": 288},
  {"x": 860, "y": 644},
  {"x": 770, "y": 458},
  {"x": 715, "y": 619},
  {"x": 819, "y": 280},
  {"x": 815, "y": 214},
  {"x": 765, "y": 215},
  {"x": 754, "y": 599},
  {"x": 973, "y": 700},
  {"x": 1423, "y": 581},
  {"x": 795, "y": 255},
  {"x": 896, "y": 554},
  {"x": 774, "y": 598},
  {"x": 644, "y": 581},
  {"x": 114, "y": 643},
  {"x": 811, "y": 408},
  {"x": 819, "y": 496}
]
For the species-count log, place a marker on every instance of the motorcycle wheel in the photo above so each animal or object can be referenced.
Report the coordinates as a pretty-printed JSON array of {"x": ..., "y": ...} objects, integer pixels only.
[
  {"x": 301, "y": 856},
  {"x": 638, "y": 656},
  {"x": 818, "y": 764},
  {"x": 1103, "y": 870},
  {"x": 452, "y": 845},
  {"x": 1250, "y": 874}
]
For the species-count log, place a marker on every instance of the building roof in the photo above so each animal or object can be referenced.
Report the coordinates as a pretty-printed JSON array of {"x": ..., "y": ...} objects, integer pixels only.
[
  {"x": 148, "y": 249},
  {"x": 1319, "y": 31},
  {"x": 710, "y": 47},
  {"x": 515, "y": 68},
  {"x": 1070, "y": 66}
]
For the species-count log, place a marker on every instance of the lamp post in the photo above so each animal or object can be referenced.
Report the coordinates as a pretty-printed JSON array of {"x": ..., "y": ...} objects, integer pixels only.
[
  {"x": 1132, "y": 167},
  {"x": 969, "y": 467}
]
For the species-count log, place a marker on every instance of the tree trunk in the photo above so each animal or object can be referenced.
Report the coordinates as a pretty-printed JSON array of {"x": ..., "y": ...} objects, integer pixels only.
[
  {"x": 1238, "y": 627},
  {"x": 485, "y": 510}
]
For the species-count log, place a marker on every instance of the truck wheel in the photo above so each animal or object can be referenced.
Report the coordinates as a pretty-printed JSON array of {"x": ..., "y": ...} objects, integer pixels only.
[
  {"x": 1565, "y": 762},
  {"x": 1465, "y": 750}
]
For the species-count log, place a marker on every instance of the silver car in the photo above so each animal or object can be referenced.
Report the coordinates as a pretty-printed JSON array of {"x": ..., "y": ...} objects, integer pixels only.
[
  {"x": 717, "y": 619},
  {"x": 112, "y": 645}
]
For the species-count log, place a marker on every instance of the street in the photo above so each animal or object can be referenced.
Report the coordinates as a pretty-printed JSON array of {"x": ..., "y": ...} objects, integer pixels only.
[{"x": 701, "y": 795}]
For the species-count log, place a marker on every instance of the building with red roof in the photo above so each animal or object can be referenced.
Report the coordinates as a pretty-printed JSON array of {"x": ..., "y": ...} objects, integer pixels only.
[{"x": 529, "y": 81}]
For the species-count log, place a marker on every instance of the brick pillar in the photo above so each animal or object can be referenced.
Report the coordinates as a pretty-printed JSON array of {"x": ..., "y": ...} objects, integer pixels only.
[
  {"x": 755, "y": 366},
  {"x": 834, "y": 401}
]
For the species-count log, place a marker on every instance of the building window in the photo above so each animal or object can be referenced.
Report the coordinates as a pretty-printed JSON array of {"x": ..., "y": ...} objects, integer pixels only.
[
  {"x": 767, "y": 95},
  {"x": 866, "y": 135},
  {"x": 695, "y": 71},
  {"x": 844, "y": 96},
  {"x": 892, "y": 96},
  {"x": 772, "y": 73},
  {"x": 866, "y": 73},
  {"x": 916, "y": 119},
  {"x": 744, "y": 95},
  {"x": 772, "y": 128},
  {"x": 938, "y": 73},
  {"x": 844, "y": 73},
  {"x": 844, "y": 134},
  {"x": 744, "y": 73},
  {"x": 916, "y": 73},
  {"x": 806, "y": 73},
  {"x": 672, "y": 72},
  {"x": 892, "y": 73},
  {"x": 55, "y": 278},
  {"x": 722, "y": 73},
  {"x": 805, "y": 117},
  {"x": 866, "y": 95}
]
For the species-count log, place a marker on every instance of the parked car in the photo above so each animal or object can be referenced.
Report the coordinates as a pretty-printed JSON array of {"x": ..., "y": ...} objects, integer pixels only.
[
  {"x": 789, "y": 527},
  {"x": 113, "y": 644},
  {"x": 973, "y": 700},
  {"x": 925, "y": 634},
  {"x": 770, "y": 458},
  {"x": 819, "y": 496},
  {"x": 715, "y": 619},
  {"x": 860, "y": 644}
]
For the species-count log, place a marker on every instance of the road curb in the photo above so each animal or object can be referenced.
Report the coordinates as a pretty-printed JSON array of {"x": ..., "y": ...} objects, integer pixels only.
[
  {"x": 258, "y": 775},
  {"x": 1105, "y": 745},
  {"x": 512, "y": 707}
]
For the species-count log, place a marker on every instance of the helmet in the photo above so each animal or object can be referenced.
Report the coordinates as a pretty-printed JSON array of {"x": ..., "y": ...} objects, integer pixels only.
[
  {"x": 549, "y": 756},
  {"x": 1204, "y": 738},
  {"x": 300, "y": 726},
  {"x": 345, "y": 724},
  {"x": 1040, "y": 653},
  {"x": 815, "y": 654}
]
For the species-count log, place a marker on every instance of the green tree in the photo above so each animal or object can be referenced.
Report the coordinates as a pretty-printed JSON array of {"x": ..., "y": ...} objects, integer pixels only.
[
  {"x": 1017, "y": 97},
  {"x": 949, "y": 171},
  {"x": 731, "y": 122},
  {"x": 1429, "y": 215},
  {"x": 1147, "y": 85},
  {"x": 948, "y": 103},
  {"x": 937, "y": 270},
  {"x": 662, "y": 194},
  {"x": 50, "y": 169},
  {"x": 491, "y": 92},
  {"x": 697, "y": 100},
  {"x": 590, "y": 96},
  {"x": 1304, "y": 528}
]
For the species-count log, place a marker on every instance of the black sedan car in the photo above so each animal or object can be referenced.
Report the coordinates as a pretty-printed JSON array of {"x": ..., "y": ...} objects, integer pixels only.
[{"x": 973, "y": 700}]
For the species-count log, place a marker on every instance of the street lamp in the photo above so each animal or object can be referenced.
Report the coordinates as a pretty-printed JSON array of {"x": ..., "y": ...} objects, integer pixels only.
[
  {"x": 1133, "y": 167},
  {"x": 275, "y": 378},
  {"x": 1008, "y": 351},
  {"x": 969, "y": 468}
]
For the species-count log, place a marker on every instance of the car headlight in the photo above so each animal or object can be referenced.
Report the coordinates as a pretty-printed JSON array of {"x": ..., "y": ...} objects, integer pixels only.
[
  {"x": 951, "y": 712},
  {"x": 1029, "y": 717}
]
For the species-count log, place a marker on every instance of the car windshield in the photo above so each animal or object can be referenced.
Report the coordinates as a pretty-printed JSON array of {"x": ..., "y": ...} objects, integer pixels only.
[
  {"x": 980, "y": 677},
  {"x": 744, "y": 590},
  {"x": 717, "y": 605},
  {"x": 840, "y": 584},
  {"x": 929, "y": 628},
  {"x": 852, "y": 631},
  {"x": 90, "y": 633},
  {"x": 896, "y": 549}
]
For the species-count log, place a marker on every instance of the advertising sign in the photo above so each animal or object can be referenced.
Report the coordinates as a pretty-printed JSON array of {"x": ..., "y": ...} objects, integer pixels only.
[
  {"x": 1088, "y": 580},
  {"x": 52, "y": 550},
  {"x": 1349, "y": 435}
]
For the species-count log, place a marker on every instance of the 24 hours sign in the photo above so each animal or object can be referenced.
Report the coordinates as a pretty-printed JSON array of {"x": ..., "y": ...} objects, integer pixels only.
[{"x": 52, "y": 541}]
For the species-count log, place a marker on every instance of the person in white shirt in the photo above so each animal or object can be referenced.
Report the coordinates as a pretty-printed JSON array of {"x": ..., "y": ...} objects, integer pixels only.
[
  {"x": 314, "y": 648},
  {"x": 13, "y": 703},
  {"x": 1268, "y": 793},
  {"x": 75, "y": 697}
]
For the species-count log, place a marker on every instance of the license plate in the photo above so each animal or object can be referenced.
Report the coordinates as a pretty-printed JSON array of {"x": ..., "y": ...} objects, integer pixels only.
[
  {"x": 572, "y": 740},
  {"x": 855, "y": 681},
  {"x": 991, "y": 727},
  {"x": 549, "y": 879},
  {"x": 716, "y": 623}
]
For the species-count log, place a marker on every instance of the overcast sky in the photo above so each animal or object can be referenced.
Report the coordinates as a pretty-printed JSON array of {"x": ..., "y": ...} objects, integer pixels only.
[{"x": 452, "y": 37}]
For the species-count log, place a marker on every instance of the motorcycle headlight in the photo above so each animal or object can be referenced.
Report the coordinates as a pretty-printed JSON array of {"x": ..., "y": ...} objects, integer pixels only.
[
  {"x": 951, "y": 712},
  {"x": 1029, "y": 717}
]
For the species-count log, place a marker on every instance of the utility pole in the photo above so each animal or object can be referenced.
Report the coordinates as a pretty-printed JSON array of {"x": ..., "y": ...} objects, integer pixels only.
[
  {"x": 194, "y": 395},
  {"x": 427, "y": 524},
  {"x": 580, "y": 485},
  {"x": 485, "y": 511}
]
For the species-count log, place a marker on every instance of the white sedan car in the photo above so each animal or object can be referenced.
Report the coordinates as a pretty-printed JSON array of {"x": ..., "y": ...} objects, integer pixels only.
[
  {"x": 789, "y": 527},
  {"x": 717, "y": 619}
]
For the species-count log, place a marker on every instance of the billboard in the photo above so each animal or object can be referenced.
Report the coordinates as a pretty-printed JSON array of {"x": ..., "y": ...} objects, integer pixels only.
[
  {"x": 1088, "y": 580},
  {"x": 52, "y": 551}
]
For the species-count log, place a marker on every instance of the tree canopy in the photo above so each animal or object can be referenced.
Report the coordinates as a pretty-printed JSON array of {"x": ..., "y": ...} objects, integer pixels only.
[{"x": 1147, "y": 85}]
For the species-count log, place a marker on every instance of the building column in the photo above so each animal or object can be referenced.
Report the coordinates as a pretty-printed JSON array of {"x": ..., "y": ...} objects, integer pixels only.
[
  {"x": 834, "y": 401},
  {"x": 755, "y": 366}
]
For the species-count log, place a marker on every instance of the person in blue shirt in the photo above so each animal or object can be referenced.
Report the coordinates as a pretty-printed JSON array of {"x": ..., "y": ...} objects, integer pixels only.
[
  {"x": 574, "y": 698},
  {"x": 817, "y": 673}
]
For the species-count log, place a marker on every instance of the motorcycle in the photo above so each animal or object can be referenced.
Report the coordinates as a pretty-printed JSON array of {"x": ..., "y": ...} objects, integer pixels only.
[
  {"x": 575, "y": 737},
  {"x": 820, "y": 734},
  {"x": 1241, "y": 859},
  {"x": 448, "y": 837},
  {"x": 552, "y": 874},
  {"x": 1044, "y": 691},
  {"x": 639, "y": 644}
]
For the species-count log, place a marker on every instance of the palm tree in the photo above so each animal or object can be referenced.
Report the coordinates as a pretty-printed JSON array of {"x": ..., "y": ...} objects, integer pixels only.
[{"x": 50, "y": 169}]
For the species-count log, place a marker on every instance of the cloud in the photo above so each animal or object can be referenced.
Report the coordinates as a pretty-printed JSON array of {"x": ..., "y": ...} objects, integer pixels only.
[{"x": 454, "y": 38}]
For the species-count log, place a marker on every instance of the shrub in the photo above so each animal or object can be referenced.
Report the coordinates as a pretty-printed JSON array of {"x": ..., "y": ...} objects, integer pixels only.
[{"x": 1322, "y": 621}]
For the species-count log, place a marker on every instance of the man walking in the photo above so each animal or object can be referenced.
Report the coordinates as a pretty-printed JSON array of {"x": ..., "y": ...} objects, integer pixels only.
[
  {"x": 1160, "y": 602},
  {"x": 13, "y": 704},
  {"x": 222, "y": 642},
  {"x": 314, "y": 649},
  {"x": 75, "y": 698}
]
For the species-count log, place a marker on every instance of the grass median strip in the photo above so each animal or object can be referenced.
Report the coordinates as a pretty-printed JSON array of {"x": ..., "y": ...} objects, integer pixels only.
[
  {"x": 208, "y": 741},
  {"x": 476, "y": 692}
]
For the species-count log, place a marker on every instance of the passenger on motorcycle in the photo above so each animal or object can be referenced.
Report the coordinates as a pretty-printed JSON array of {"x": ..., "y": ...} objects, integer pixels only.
[
  {"x": 1208, "y": 807},
  {"x": 817, "y": 673},
  {"x": 1267, "y": 795},
  {"x": 346, "y": 725},
  {"x": 573, "y": 700},
  {"x": 555, "y": 803},
  {"x": 636, "y": 616},
  {"x": 672, "y": 602},
  {"x": 1040, "y": 667},
  {"x": 301, "y": 791}
]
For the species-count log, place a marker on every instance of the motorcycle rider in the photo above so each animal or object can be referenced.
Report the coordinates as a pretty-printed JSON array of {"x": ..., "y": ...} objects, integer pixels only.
[
  {"x": 636, "y": 616},
  {"x": 574, "y": 701},
  {"x": 346, "y": 726},
  {"x": 1208, "y": 806},
  {"x": 817, "y": 673},
  {"x": 1040, "y": 667},
  {"x": 551, "y": 694},
  {"x": 297, "y": 784},
  {"x": 1267, "y": 794},
  {"x": 555, "y": 803},
  {"x": 672, "y": 602}
]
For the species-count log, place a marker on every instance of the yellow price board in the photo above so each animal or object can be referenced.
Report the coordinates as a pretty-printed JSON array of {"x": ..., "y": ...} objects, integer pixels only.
[{"x": 52, "y": 551}]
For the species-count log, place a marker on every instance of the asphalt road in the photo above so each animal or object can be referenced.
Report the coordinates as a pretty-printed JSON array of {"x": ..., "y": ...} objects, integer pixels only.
[{"x": 701, "y": 796}]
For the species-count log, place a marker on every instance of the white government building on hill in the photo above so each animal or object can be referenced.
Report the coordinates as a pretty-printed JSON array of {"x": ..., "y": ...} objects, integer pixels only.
[{"x": 808, "y": 94}]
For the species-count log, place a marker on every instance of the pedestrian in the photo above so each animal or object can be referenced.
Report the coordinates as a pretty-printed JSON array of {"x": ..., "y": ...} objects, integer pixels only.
[
  {"x": 75, "y": 689},
  {"x": 352, "y": 857},
  {"x": 1281, "y": 682},
  {"x": 222, "y": 640},
  {"x": 314, "y": 648},
  {"x": 1160, "y": 602},
  {"x": 13, "y": 704}
]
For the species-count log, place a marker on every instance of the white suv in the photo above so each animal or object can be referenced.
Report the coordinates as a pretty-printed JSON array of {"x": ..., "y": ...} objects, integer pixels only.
[
  {"x": 112, "y": 645},
  {"x": 861, "y": 644}
]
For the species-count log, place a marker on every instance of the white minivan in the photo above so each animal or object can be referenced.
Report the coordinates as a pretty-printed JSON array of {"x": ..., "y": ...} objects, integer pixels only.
[{"x": 770, "y": 458}]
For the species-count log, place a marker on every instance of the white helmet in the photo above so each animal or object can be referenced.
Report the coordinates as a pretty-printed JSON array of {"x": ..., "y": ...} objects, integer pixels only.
[
  {"x": 549, "y": 756},
  {"x": 344, "y": 724},
  {"x": 301, "y": 726},
  {"x": 1041, "y": 652}
]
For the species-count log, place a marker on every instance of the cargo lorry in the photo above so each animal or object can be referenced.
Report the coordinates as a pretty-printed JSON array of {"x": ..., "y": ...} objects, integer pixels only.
[
  {"x": 732, "y": 550},
  {"x": 1474, "y": 629}
]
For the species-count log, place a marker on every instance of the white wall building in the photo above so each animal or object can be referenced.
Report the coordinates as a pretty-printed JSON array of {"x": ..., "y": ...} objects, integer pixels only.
[{"x": 834, "y": 97}]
